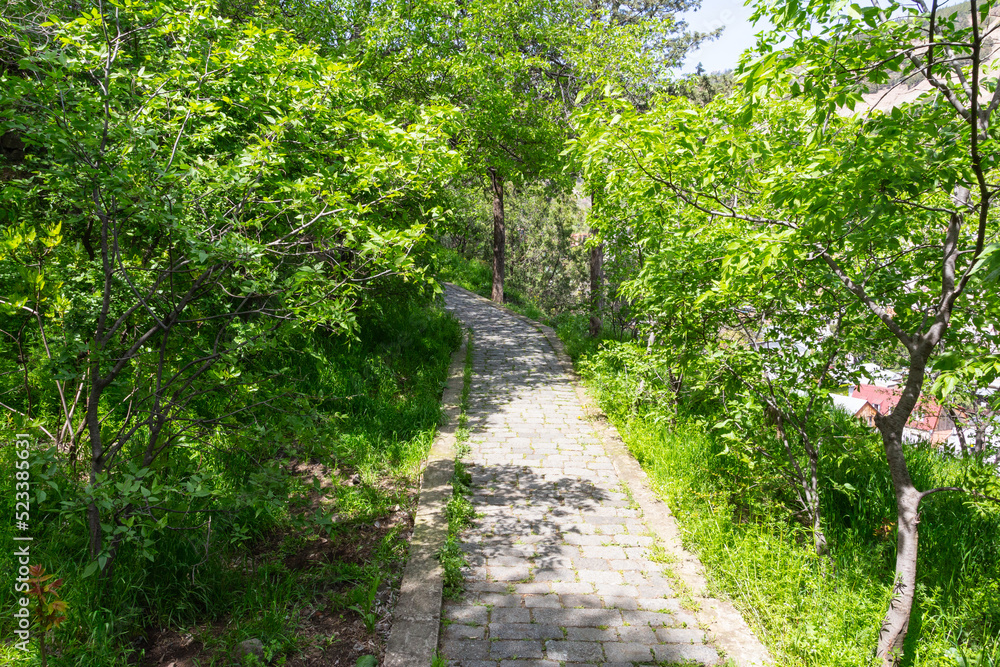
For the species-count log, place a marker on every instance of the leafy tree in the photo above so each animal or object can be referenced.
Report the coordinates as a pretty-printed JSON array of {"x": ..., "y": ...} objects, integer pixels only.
[
  {"x": 895, "y": 217},
  {"x": 497, "y": 61},
  {"x": 891, "y": 209},
  {"x": 190, "y": 188},
  {"x": 513, "y": 97},
  {"x": 515, "y": 70},
  {"x": 702, "y": 87},
  {"x": 661, "y": 44}
]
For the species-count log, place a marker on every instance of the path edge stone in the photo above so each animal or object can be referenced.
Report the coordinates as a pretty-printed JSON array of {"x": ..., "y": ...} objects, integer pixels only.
[
  {"x": 416, "y": 622},
  {"x": 727, "y": 628}
]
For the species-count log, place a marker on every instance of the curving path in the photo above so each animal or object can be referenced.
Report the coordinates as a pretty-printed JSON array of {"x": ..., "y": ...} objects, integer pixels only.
[{"x": 560, "y": 568}]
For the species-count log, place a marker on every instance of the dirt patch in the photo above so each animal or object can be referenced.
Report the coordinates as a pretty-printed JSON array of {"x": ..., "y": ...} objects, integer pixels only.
[
  {"x": 352, "y": 542},
  {"x": 336, "y": 639},
  {"x": 175, "y": 649},
  {"x": 325, "y": 632}
]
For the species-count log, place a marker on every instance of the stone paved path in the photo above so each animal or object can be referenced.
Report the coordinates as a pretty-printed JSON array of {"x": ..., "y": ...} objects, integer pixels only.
[{"x": 559, "y": 560}]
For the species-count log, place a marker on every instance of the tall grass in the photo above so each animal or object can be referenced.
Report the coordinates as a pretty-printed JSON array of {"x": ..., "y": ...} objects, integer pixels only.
[{"x": 474, "y": 275}]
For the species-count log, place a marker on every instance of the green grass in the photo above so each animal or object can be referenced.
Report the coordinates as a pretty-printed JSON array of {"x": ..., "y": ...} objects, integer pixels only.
[
  {"x": 460, "y": 514},
  {"x": 366, "y": 409},
  {"x": 778, "y": 584},
  {"x": 811, "y": 610},
  {"x": 573, "y": 329},
  {"x": 474, "y": 275},
  {"x": 514, "y": 300}
]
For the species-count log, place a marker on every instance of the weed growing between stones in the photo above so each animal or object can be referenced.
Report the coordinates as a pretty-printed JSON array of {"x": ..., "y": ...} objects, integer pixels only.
[
  {"x": 658, "y": 554},
  {"x": 462, "y": 434},
  {"x": 460, "y": 513},
  {"x": 459, "y": 510},
  {"x": 632, "y": 503}
]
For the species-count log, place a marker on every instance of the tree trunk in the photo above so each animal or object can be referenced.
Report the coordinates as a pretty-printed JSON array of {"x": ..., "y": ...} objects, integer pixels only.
[
  {"x": 499, "y": 235},
  {"x": 596, "y": 284},
  {"x": 812, "y": 495},
  {"x": 642, "y": 381},
  {"x": 96, "y": 462},
  {"x": 897, "y": 617},
  {"x": 808, "y": 491},
  {"x": 819, "y": 537},
  {"x": 980, "y": 445}
]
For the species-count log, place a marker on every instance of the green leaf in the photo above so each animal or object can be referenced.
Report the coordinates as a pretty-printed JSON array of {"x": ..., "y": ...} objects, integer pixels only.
[{"x": 989, "y": 261}]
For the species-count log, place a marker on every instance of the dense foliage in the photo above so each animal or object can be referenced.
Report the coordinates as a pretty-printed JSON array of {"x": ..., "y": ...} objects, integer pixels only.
[
  {"x": 213, "y": 275},
  {"x": 309, "y": 506},
  {"x": 223, "y": 222},
  {"x": 776, "y": 238},
  {"x": 545, "y": 250}
]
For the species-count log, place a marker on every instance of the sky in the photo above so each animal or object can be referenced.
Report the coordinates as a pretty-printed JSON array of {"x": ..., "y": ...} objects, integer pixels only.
[{"x": 738, "y": 34}]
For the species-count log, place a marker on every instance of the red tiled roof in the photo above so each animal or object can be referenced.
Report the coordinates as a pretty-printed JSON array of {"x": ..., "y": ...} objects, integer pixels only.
[{"x": 924, "y": 416}]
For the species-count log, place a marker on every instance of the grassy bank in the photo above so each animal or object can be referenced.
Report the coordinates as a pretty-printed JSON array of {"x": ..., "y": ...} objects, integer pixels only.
[
  {"x": 812, "y": 610},
  {"x": 301, "y": 535}
]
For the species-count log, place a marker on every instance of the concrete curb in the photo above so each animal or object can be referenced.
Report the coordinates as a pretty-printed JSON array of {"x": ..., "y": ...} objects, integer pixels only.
[
  {"x": 413, "y": 638},
  {"x": 726, "y": 627}
]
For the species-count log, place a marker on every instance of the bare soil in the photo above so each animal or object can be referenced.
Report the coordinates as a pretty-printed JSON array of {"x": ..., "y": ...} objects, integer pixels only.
[{"x": 326, "y": 635}]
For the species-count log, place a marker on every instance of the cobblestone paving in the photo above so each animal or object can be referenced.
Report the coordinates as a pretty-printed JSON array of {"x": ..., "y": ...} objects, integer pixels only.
[{"x": 559, "y": 561}]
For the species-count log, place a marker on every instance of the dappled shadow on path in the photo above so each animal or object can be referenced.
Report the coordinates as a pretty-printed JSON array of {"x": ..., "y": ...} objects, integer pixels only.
[{"x": 558, "y": 567}]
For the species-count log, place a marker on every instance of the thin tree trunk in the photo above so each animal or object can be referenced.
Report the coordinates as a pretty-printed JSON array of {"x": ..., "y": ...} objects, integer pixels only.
[
  {"x": 819, "y": 537},
  {"x": 960, "y": 431},
  {"x": 642, "y": 381},
  {"x": 596, "y": 281},
  {"x": 499, "y": 235},
  {"x": 897, "y": 617},
  {"x": 808, "y": 491},
  {"x": 980, "y": 445},
  {"x": 596, "y": 286},
  {"x": 93, "y": 421}
]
